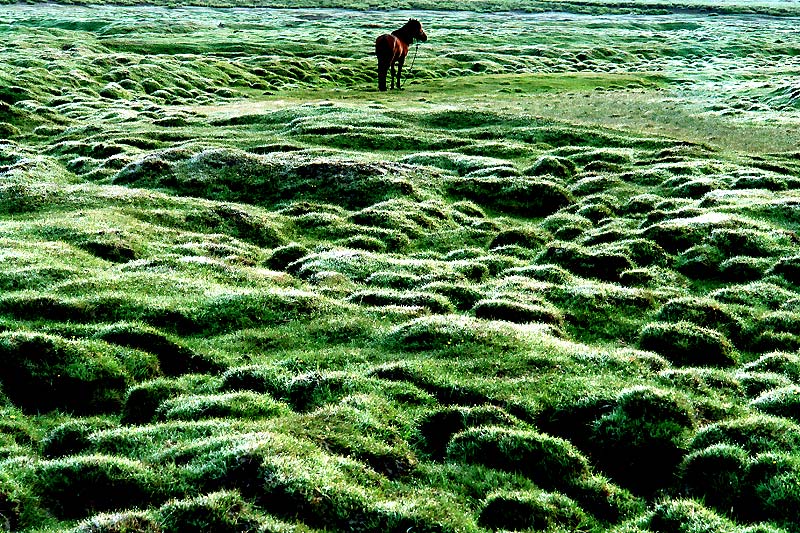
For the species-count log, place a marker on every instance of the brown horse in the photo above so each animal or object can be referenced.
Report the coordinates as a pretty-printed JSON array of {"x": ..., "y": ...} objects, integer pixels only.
[{"x": 393, "y": 48}]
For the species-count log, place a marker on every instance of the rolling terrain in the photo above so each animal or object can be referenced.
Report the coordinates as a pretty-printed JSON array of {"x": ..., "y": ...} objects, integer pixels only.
[{"x": 551, "y": 285}]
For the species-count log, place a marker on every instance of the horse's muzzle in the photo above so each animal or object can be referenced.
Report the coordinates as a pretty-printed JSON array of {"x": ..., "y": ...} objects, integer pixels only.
[{"x": 422, "y": 37}]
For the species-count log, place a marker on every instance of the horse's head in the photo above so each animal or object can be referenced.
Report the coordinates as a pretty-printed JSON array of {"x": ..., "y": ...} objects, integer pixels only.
[{"x": 415, "y": 30}]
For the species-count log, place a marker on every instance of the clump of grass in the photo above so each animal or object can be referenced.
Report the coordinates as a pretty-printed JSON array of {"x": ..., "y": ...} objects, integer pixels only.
[
  {"x": 788, "y": 268},
  {"x": 678, "y": 234},
  {"x": 547, "y": 273},
  {"x": 436, "y": 428},
  {"x": 771, "y": 489},
  {"x": 686, "y": 344},
  {"x": 755, "y": 383},
  {"x": 702, "y": 312},
  {"x": 750, "y": 242},
  {"x": 283, "y": 256},
  {"x": 566, "y": 226},
  {"x": 703, "y": 380},
  {"x": 642, "y": 440},
  {"x": 142, "y": 400},
  {"x": 550, "y": 462},
  {"x": 120, "y": 522},
  {"x": 223, "y": 511},
  {"x": 532, "y": 511},
  {"x": 559, "y": 167},
  {"x": 75, "y": 487},
  {"x": 243, "y": 404},
  {"x": 784, "y": 402},
  {"x": 462, "y": 295},
  {"x": 754, "y": 295},
  {"x": 256, "y": 378},
  {"x": 607, "y": 266},
  {"x": 364, "y": 242},
  {"x": 77, "y": 377},
  {"x": 700, "y": 262},
  {"x": 441, "y": 332},
  {"x": 501, "y": 309},
  {"x": 529, "y": 197},
  {"x": 787, "y": 364},
  {"x": 524, "y": 236},
  {"x": 643, "y": 252},
  {"x": 173, "y": 358},
  {"x": 19, "y": 505},
  {"x": 302, "y": 392},
  {"x": 433, "y": 302},
  {"x": 71, "y": 437},
  {"x": 755, "y": 434},
  {"x": 392, "y": 280},
  {"x": 715, "y": 475},
  {"x": 744, "y": 268},
  {"x": 678, "y": 516}
]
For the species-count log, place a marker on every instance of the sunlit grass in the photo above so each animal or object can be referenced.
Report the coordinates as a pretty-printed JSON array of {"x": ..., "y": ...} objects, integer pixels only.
[{"x": 552, "y": 284}]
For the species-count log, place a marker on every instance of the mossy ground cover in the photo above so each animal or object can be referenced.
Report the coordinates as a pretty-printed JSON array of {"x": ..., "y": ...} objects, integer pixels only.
[{"x": 552, "y": 284}]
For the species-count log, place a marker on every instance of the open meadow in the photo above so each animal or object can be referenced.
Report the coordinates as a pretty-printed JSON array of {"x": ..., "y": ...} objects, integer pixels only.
[{"x": 553, "y": 284}]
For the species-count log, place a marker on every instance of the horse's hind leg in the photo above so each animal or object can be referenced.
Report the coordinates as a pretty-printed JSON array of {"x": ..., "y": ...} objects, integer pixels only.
[{"x": 382, "y": 70}]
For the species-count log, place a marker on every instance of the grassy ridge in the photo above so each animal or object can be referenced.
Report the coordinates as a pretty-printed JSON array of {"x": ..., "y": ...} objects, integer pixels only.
[{"x": 548, "y": 286}]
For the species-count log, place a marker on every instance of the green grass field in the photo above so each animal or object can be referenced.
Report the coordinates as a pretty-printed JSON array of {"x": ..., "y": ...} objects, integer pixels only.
[{"x": 551, "y": 285}]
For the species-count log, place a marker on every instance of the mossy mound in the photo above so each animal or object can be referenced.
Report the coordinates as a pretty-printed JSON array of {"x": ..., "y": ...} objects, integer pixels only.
[
  {"x": 705, "y": 313},
  {"x": 529, "y": 197},
  {"x": 77, "y": 376},
  {"x": 787, "y": 364},
  {"x": 72, "y": 437},
  {"x": 784, "y": 402},
  {"x": 549, "y": 461},
  {"x": 243, "y": 404},
  {"x": 643, "y": 439},
  {"x": 230, "y": 175},
  {"x": 75, "y": 487},
  {"x": 173, "y": 358},
  {"x": 224, "y": 511},
  {"x": 500, "y": 309},
  {"x": 715, "y": 475},
  {"x": 438, "y": 427},
  {"x": 607, "y": 266},
  {"x": 686, "y": 344},
  {"x": 434, "y": 302},
  {"x": 442, "y": 332},
  {"x": 531, "y": 511},
  {"x": 755, "y": 434}
]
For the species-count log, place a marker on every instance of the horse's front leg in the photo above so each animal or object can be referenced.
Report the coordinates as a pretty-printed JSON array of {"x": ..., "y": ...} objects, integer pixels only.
[{"x": 394, "y": 74}]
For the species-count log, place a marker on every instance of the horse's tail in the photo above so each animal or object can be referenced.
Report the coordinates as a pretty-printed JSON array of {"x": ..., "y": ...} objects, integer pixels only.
[
  {"x": 384, "y": 51},
  {"x": 383, "y": 45}
]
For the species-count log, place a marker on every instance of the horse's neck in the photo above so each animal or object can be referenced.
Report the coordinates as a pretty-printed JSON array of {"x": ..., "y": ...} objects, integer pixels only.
[{"x": 404, "y": 35}]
